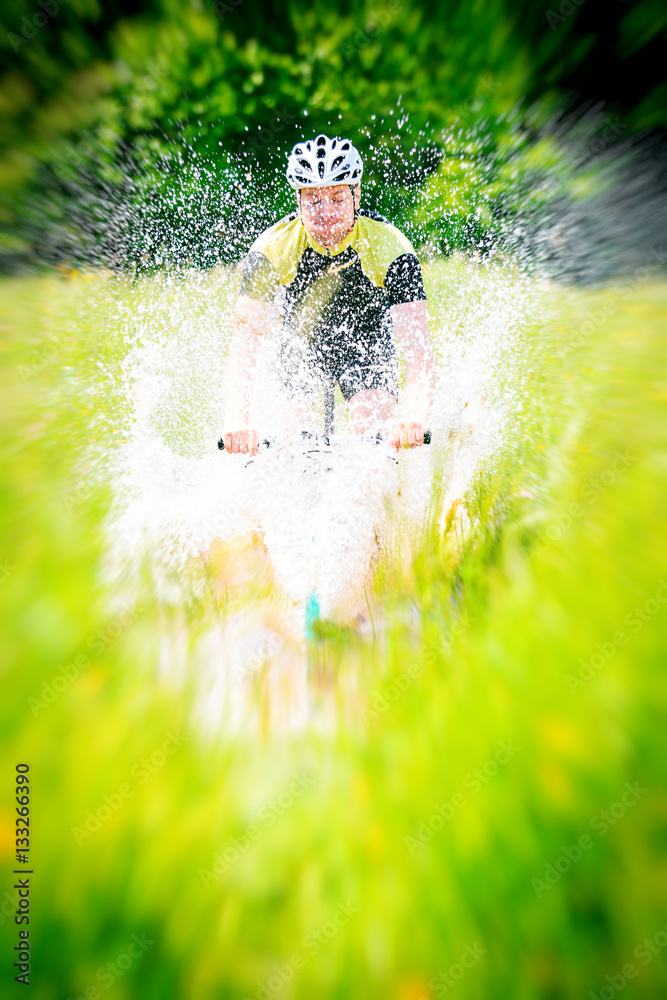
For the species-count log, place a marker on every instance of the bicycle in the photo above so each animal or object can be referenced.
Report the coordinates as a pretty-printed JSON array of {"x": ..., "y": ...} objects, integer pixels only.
[{"x": 321, "y": 457}]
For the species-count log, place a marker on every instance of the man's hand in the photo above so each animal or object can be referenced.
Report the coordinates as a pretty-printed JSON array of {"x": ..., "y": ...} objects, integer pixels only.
[
  {"x": 251, "y": 319},
  {"x": 405, "y": 434},
  {"x": 410, "y": 320},
  {"x": 254, "y": 317},
  {"x": 241, "y": 442}
]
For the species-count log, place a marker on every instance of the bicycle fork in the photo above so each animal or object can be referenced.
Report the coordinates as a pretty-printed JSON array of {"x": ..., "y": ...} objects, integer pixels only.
[{"x": 313, "y": 603}]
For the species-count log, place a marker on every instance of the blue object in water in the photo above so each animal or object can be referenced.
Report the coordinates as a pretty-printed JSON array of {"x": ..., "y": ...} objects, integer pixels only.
[{"x": 312, "y": 614}]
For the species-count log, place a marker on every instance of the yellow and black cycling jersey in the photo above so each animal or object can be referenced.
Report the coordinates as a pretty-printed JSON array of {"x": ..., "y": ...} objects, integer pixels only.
[
  {"x": 354, "y": 286},
  {"x": 336, "y": 304}
]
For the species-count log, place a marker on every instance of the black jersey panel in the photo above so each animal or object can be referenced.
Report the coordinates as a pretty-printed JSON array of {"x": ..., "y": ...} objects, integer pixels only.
[
  {"x": 370, "y": 214},
  {"x": 259, "y": 280},
  {"x": 404, "y": 281},
  {"x": 332, "y": 295}
]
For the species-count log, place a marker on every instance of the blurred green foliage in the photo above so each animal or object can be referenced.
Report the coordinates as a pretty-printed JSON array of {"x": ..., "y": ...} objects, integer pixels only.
[
  {"x": 500, "y": 621},
  {"x": 112, "y": 99}
]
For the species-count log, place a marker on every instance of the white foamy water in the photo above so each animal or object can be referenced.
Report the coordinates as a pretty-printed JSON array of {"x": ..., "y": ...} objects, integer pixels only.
[{"x": 320, "y": 516}]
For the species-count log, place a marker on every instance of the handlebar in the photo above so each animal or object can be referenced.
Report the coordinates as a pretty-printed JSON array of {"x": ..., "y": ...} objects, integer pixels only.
[{"x": 323, "y": 440}]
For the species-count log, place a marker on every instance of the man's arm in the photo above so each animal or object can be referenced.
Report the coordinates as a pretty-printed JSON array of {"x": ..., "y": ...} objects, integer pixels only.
[
  {"x": 252, "y": 319},
  {"x": 410, "y": 322}
]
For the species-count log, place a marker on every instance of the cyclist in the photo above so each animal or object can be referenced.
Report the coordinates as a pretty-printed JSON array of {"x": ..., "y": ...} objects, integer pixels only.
[{"x": 345, "y": 279}]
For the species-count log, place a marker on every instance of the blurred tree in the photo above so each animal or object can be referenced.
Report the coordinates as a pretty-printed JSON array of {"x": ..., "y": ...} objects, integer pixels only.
[{"x": 115, "y": 100}]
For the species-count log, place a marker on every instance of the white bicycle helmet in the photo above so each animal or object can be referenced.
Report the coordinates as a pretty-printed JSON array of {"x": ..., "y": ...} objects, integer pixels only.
[{"x": 323, "y": 162}]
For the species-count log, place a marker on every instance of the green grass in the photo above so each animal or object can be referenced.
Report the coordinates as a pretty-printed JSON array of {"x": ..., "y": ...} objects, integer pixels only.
[{"x": 503, "y": 617}]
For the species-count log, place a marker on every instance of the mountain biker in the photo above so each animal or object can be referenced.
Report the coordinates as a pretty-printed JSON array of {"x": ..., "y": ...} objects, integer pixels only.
[{"x": 345, "y": 279}]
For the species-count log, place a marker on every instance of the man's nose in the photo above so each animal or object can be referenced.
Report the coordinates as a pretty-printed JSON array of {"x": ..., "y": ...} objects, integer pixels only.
[{"x": 328, "y": 211}]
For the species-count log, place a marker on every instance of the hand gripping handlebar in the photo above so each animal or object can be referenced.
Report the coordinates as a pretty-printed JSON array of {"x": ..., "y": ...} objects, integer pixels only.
[{"x": 326, "y": 440}]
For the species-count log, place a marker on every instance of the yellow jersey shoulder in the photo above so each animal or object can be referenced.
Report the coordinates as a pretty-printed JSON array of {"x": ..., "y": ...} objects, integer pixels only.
[
  {"x": 283, "y": 244},
  {"x": 379, "y": 244}
]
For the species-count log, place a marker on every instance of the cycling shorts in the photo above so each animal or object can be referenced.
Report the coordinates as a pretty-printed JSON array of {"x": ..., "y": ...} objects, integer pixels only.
[{"x": 352, "y": 360}]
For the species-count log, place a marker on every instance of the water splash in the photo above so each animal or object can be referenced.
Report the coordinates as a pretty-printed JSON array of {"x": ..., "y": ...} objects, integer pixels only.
[
  {"x": 271, "y": 530},
  {"x": 263, "y": 535}
]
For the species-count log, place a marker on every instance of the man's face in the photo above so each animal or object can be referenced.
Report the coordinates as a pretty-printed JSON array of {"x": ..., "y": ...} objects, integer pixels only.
[{"x": 328, "y": 213}]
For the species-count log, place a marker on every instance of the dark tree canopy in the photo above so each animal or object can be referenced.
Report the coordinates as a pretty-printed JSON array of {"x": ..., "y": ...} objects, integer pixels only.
[{"x": 127, "y": 93}]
